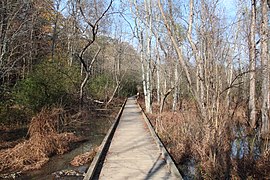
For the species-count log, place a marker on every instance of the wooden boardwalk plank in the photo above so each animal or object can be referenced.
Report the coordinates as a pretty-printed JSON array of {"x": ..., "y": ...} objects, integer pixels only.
[{"x": 133, "y": 153}]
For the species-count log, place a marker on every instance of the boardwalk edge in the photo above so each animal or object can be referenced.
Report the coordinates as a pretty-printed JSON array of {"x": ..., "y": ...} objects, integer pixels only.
[
  {"x": 92, "y": 168},
  {"x": 172, "y": 167}
]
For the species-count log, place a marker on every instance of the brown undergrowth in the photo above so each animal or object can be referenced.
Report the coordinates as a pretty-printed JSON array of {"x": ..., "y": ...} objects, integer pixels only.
[
  {"x": 44, "y": 141},
  {"x": 208, "y": 144},
  {"x": 84, "y": 158}
]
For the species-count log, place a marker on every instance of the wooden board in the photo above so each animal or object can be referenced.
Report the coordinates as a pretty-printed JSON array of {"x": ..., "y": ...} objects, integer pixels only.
[{"x": 133, "y": 153}]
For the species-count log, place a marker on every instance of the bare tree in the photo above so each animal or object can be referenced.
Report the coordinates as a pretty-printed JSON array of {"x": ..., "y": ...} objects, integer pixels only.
[
  {"x": 180, "y": 56},
  {"x": 148, "y": 96},
  {"x": 94, "y": 26},
  {"x": 199, "y": 61},
  {"x": 22, "y": 32},
  {"x": 265, "y": 67},
  {"x": 145, "y": 47},
  {"x": 252, "y": 68},
  {"x": 55, "y": 31}
]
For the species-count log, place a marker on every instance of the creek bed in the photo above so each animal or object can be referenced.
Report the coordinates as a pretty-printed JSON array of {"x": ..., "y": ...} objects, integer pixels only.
[
  {"x": 95, "y": 130},
  {"x": 62, "y": 162}
]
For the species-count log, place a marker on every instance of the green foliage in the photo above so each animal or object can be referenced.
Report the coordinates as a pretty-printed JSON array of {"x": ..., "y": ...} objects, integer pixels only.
[
  {"x": 101, "y": 86},
  {"x": 4, "y": 94},
  {"x": 129, "y": 87},
  {"x": 14, "y": 114},
  {"x": 48, "y": 84},
  {"x": 9, "y": 112}
]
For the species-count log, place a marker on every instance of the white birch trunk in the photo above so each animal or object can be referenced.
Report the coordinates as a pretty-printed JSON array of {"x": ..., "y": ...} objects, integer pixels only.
[
  {"x": 148, "y": 56},
  {"x": 265, "y": 68},
  {"x": 176, "y": 89},
  {"x": 251, "y": 105},
  {"x": 200, "y": 90},
  {"x": 158, "y": 74}
]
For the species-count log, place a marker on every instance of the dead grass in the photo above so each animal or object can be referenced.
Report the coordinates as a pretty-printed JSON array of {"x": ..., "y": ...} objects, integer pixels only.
[
  {"x": 10, "y": 144},
  {"x": 84, "y": 158},
  {"x": 44, "y": 141},
  {"x": 263, "y": 165},
  {"x": 209, "y": 143}
]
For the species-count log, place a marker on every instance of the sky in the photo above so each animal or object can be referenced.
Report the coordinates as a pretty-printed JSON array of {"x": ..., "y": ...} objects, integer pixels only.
[{"x": 230, "y": 7}]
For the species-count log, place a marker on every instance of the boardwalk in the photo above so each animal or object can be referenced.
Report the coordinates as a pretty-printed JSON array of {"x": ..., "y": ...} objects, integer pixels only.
[{"x": 133, "y": 152}]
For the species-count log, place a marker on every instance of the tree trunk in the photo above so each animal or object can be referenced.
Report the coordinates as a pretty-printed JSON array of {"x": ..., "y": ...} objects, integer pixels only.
[
  {"x": 252, "y": 107},
  {"x": 158, "y": 74},
  {"x": 82, "y": 87},
  {"x": 148, "y": 99},
  {"x": 163, "y": 100},
  {"x": 142, "y": 64},
  {"x": 265, "y": 68},
  {"x": 4, "y": 39},
  {"x": 199, "y": 99},
  {"x": 114, "y": 92},
  {"x": 176, "y": 89},
  {"x": 87, "y": 70}
]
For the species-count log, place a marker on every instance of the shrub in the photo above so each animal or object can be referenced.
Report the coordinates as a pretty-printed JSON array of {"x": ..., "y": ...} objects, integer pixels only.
[
  {"x": 129, "y": 87},
  {"x": 101, "y": 86},
  {"x": 48, "y": 84}
]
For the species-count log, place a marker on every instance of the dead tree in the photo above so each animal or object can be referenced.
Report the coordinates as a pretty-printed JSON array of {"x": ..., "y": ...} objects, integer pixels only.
[{"x": 94, "y": 26}]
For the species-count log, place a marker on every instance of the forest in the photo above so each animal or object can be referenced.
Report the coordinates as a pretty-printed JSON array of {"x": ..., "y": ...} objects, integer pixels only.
[{"x": 200, "y": 69}]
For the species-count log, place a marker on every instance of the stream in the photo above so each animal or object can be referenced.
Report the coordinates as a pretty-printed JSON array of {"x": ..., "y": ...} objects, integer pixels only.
[
  {"x": 92, "y": 130},
  {"x": 61, "y": 163},
  {"x": 58, "y": 167}
]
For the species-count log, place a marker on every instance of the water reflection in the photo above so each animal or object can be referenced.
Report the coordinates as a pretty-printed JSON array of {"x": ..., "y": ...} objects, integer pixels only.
[
  {"x": 188, "y": 169},
  {"x": 244, "y": 144}
]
